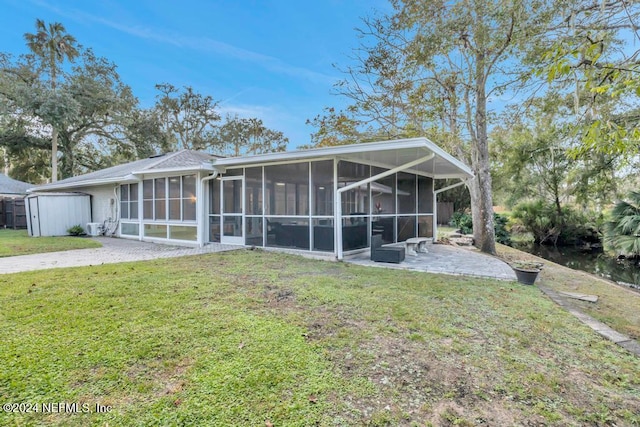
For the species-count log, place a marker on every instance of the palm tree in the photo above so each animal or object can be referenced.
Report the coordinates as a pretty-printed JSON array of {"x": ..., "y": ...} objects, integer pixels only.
[
  {"x": 52, "y": 44},
  {"x": 622, "y": 232}
]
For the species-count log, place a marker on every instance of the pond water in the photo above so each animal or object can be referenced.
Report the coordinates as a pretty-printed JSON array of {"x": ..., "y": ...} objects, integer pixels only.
[{"x": 606, "y": 265}]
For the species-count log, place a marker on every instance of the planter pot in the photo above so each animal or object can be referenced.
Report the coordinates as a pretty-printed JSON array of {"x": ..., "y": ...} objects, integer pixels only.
[{"x": 526, "y": 276}]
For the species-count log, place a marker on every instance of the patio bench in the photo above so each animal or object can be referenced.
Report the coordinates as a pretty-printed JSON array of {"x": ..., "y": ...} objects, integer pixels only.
[
  {"x": 417, "y": 244},
  {"x": 379, "y": 253}
]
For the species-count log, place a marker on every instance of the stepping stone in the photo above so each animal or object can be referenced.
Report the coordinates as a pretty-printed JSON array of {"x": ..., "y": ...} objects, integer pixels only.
[{"x": 581, "y": 297}]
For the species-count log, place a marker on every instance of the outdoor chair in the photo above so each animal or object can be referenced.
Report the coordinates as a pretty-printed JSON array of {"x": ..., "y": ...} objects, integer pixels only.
[{"x": 379, "y": 253}]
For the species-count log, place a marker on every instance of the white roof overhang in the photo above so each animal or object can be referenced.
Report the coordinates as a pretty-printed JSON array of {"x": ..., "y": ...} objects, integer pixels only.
[{"x": 387, "y": 154}]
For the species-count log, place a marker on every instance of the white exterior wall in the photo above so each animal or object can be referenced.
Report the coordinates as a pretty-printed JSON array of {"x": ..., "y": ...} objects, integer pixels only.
[{"x": 104, "y": 204}]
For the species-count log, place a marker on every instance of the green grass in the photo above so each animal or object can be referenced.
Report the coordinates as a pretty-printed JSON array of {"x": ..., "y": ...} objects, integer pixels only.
[
  {"x": 259, "y": 338},
  {"x": 617, "y": 306},
  {"x": 18, "y": 242}
]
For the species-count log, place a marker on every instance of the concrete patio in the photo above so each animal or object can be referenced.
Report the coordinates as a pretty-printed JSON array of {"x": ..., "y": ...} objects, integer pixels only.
[{"x": 447, "y": 259}]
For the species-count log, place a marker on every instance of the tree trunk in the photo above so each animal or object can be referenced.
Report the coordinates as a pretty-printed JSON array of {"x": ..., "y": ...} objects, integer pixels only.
[
  {"x": 483, "y": 227},
  {"x": 54, "y": 155},
  {"x": 7, "y": 162}
]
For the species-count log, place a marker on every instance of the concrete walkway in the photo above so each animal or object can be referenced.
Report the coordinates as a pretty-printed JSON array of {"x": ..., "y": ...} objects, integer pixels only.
[
  {"x": 622, "y": 340},
  {"x": 113, "y": 250},
  {"x": 447, "y": 259}
]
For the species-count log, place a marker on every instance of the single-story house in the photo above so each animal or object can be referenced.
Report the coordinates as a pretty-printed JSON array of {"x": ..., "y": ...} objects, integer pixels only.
[{"x": 289, "y": 199}]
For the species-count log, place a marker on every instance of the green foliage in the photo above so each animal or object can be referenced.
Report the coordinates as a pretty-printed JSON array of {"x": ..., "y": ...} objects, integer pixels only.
[
  {"x": 532, "y": 158},
  {"x": 548, "y": 225},
  {"x": 463, "y": 222},
  {"x": 89, "y": 109},
  {"x": 590, "y": 58},
  {"x": 622, "y": 231},
  {"x": 76, "y": 230},
  {"x": 502, "y": 234}
]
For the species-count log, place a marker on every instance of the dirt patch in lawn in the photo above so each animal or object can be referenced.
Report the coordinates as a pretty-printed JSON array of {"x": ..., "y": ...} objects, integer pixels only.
[{"x": 464, "y": 374}]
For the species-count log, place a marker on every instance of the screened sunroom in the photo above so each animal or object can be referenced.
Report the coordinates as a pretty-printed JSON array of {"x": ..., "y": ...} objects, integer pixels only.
[{"x": 295, "y": 199}]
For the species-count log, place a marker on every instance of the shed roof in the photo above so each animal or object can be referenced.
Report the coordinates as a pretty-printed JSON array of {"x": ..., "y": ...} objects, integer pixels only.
[{"x": 13, "y": 186}]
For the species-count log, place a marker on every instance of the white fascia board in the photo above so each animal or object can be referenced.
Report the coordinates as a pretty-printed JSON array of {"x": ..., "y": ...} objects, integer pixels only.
[
  {"x": 88, "y": 183},
  {"x": 322, "y": 152}
]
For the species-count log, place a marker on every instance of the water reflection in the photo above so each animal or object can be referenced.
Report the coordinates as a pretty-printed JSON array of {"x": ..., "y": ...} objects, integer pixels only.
[{"x": 602, "y": 264}]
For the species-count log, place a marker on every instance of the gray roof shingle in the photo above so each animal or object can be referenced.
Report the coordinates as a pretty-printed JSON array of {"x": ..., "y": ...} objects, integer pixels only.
[{"x": 13, "y": 186}]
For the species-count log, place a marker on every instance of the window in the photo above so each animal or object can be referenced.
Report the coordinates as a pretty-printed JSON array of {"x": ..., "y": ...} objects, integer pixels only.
[
  {"x": 159, "y": 197},
  {"x": 147, "y": 201},
  {"x": 129, "y": 229},
  {"x": 322, "y": 176},
  {"x": 189, "y": 198},
  {"x": 155, "y": 230},
  {"x": 129, "y": 201},
  {"x": 383, "y": 193},
  {"x": 172, "y": 198},
  {"x": 406, "y": 193},
  {"x": 355, "y": 201},
  {"x": 287, "y": 188}
]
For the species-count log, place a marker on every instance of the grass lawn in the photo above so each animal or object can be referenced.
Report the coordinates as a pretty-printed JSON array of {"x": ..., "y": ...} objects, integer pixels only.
[
  {"x": 18, "y": 242},
  {"x": 617, "y": 306},
  {"x": 252, "y": 338}
]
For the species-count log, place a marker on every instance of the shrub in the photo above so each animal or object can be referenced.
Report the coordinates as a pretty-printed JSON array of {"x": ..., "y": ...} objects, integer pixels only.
[
  {"x": 464, "y": 222},
  {"x": 76, "y": 230},
  {"x": 622, "y": 231},
  {"x": 548, "y": 226},
  {"x": 500, "y": 225}
]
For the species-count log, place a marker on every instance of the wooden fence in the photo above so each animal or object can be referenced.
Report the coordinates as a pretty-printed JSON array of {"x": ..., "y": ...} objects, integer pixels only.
[
  {"x": 445, "y": 212},
  {"x": 12, "y": 213}
]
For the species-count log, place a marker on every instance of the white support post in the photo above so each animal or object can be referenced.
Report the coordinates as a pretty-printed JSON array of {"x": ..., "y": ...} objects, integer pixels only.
[
  {"x": 202, "y": 217},
  {"x": 435, "y": 217}
]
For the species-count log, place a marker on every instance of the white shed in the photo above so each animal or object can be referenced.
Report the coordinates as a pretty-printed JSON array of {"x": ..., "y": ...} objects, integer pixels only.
[{"x": 52, "y": 214}]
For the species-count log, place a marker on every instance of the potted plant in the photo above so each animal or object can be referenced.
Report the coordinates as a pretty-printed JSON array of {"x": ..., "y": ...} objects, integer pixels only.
[{"x": 526, "y": 271}]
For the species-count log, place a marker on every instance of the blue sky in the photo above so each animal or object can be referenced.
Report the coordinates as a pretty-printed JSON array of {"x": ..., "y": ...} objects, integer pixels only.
[{"x": 267, "y": 59}]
